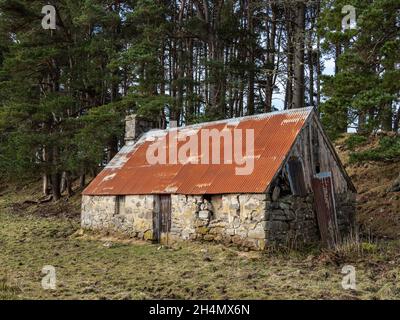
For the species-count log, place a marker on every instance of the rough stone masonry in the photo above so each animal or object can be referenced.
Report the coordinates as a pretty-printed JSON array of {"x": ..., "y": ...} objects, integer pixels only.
[{"x": 246, "y": 220}]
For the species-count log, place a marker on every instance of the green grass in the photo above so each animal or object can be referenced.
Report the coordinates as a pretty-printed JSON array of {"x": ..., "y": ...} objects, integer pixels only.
[
  {"x": 87, "y": 269},
  {"x": 354, "y": 141},
  {"x": 38, "y": 235}
]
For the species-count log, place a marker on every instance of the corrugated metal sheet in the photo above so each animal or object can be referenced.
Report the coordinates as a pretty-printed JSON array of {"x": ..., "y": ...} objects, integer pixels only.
[
  {"x": 129, "y": 173},
  {"x": 324, "y": 199}
]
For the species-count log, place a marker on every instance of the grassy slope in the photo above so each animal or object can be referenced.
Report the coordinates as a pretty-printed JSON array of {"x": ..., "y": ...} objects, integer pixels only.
[
  {"x": 378, "y": 211},
  {"x": 32, "y": 236}
]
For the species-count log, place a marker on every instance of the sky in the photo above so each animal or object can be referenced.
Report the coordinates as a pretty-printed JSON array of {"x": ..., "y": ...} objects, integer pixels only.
[{"x": 279, "y": 98}]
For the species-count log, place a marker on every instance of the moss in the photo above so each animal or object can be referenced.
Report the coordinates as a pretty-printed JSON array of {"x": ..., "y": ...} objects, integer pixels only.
[
  {"x": 148, "y": 235},
  {"x": 203, "y": 230}
]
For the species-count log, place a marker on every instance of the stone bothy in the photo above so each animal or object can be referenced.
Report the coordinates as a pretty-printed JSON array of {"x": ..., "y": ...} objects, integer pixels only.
[{"x": 295, "y": 193}]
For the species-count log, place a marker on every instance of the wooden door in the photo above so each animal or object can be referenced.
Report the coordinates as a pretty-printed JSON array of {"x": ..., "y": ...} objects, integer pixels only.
[
  {"x": 165, "y": 211},
  {"x": 297, "y": 183},
  {"x": 162, "y": 216},
  {"x": 325, "y": 207}
]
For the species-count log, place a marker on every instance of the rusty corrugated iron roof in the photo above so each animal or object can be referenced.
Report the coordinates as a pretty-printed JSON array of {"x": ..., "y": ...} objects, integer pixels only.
[{"x": 130, "y": 172}]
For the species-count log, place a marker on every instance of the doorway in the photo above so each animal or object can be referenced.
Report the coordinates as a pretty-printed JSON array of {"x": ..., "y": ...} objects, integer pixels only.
[{"x": 162, "y": 216}]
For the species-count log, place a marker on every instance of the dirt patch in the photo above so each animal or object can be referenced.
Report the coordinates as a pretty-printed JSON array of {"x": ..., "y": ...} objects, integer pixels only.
[
  {"x": 28, "y": 200},
  {"x": 62, "y": 208},
  {"x": 59, "y": 209}
]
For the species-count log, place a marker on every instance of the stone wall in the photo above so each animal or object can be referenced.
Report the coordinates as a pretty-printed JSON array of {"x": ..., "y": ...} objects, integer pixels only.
[
  {"x": 345, "y": 211},
  {"x": 97, "y": 211},
  {"x": 291, "y": 221},
  {"x": 183, "y": 215},
  {"x": 134, "y": 218},
  {"x": 237, "y": 219},
  {"x": 245, "y": 220},
  {"x": 139, "y": 215}
]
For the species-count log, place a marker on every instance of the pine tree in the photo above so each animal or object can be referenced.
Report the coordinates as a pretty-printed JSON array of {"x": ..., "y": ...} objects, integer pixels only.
[
  {"x": 364, "y": 91},
  {"x": 54, "y": 77}
]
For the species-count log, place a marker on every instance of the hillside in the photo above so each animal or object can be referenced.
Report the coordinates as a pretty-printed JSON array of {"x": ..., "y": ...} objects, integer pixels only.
[{"x": 378, "y": 210}]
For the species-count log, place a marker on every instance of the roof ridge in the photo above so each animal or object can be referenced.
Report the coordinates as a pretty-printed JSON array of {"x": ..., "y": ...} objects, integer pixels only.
[{"x": 252, "y": 117}]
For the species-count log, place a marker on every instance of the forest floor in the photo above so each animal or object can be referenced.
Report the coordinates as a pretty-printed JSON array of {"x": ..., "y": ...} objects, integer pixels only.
[{"x": 88, "y": 267}]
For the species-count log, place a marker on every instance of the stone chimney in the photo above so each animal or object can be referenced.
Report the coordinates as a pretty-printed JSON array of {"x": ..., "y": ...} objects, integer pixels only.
[{"x": 136, "y": 125}]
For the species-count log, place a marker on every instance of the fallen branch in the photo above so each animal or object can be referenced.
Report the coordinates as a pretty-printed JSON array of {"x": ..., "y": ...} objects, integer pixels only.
[{"x": 40, "y": 201}]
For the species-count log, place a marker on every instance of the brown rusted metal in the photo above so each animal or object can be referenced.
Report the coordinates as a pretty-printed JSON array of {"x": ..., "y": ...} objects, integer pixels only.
[
  {"x": 129, "y": 173},
  {"x": 325, "y": 208}
]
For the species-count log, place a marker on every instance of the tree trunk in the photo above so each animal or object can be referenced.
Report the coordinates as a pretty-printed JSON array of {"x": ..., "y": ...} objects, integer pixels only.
[
  {"x": 216, "y": 75},
  {"x": 396, "y": 123},
  {"x": 82, "y": 180},
  {"x": 55, "y": 175},
  {"x": 68, "y": 184},
  {"x": 271, "y": 54},
  {"x": 55, "y": 186},
  {"x": 319, "y": 74},
  {"x": 211, "y": 16},
  {"x": 190, "y": 90},
  {"x": 290, "y": 59},
  {"x": 338, "y": 52},
  {"x": 112, "y": 149},
  {"x": 387, "y": 117},
  {"x": 362, "y": 119},
  {"x": 299, "y": 87},
  {"x": 311, "y": 62},
  {"x": 46, "y": 189},
  {"x": 63, "y": 186},
  {"x": 250, "y": 96},
  {"x": 45, "y": 176},
  {"x": 319, "y": 68}
]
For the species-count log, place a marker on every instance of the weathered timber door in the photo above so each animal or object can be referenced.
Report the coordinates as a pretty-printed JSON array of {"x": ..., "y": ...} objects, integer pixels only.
[
  {"x": 324, "y": 201},
  {"x": 162, "y": 216},
  {"x": 295, "y": 171}
]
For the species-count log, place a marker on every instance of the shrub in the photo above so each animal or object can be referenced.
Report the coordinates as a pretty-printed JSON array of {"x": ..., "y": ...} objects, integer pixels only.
[
  {"x": 388, "y": 150},
  {"x": 354, "y": 141}
]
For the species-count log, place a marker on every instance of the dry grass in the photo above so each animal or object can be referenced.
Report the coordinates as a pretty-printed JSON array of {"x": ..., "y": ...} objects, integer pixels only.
[
  {"x": 378, "y": 211},
  {"x": 107, "y": 269}
]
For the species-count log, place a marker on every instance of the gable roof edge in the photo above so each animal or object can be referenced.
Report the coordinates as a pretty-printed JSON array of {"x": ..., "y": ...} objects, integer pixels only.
[
  {"x": 334, "y": 154},
  {"x": 308, "y": 120}
]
